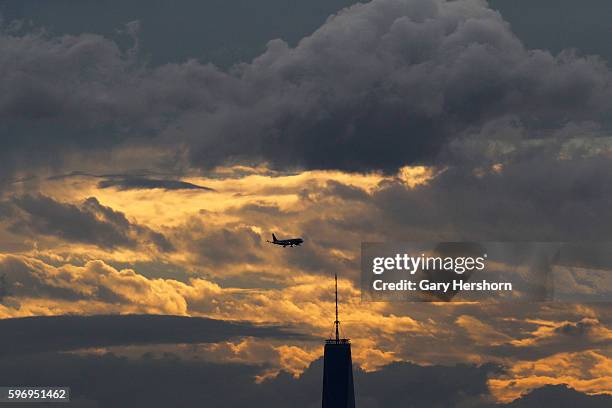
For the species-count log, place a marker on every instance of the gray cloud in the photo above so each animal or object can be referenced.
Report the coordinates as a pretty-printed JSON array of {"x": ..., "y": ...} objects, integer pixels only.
[
  {"x": 390, "y": 82},
  {"x": 63, "y": 333},
  {"x": 534, "y": 200},
  {"x": 380, "y": 85},
  {"x": 89, "y": 223}
]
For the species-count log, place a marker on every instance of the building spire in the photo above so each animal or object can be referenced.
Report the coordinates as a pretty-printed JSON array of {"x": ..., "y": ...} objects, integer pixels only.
[
  {"x": 337, "y": 322},
  {"x": 338, "y": 388},
  {"x": 336, "y": 339}
]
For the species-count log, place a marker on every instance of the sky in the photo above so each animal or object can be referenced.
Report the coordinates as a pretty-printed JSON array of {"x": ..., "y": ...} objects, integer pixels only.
[{"x": 149, "y": 150}]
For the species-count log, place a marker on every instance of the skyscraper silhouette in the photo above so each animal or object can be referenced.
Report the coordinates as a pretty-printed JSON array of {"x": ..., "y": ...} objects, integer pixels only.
[{"x": 338, "y": 390}]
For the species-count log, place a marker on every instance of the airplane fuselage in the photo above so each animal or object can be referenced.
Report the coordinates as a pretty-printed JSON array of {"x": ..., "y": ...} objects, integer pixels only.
[
  {"x": 289, "y": 242},
  {"x": 286, "y": 242}
]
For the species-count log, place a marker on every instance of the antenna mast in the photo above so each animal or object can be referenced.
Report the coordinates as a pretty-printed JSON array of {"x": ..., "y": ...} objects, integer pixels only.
[{"x": 337, "y": 322}]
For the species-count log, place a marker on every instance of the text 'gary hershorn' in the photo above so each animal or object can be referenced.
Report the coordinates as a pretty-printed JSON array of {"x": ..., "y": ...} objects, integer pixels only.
[
  {"x": 411, "y": 264},
  {"x": 484, "y": 271}
]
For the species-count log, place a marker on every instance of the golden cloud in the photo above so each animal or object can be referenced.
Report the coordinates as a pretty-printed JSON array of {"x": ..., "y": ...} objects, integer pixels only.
[{"x": 589, "y": 372}]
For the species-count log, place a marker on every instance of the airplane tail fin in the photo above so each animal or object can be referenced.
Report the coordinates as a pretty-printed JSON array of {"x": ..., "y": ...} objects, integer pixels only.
[{"x": 274, "y": 238}]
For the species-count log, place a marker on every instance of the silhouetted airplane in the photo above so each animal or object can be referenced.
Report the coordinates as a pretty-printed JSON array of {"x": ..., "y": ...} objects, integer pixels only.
[{"x": 286, "y": 242}]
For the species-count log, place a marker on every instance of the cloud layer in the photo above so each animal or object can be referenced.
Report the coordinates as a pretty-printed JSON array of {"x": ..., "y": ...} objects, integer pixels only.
[
  {"x": 69, "y": 333},
  {"x": 379, "y": 85}
]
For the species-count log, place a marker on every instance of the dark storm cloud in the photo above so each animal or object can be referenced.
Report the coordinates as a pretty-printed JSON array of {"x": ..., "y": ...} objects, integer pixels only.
[
  {"x": 89, "y": 223},
  {"x": 390, "y": 82},
  {"x": 82, "y": 93},
  {"x": 380, "y": 85},
  {"x": 63, "y": 333},
  {"x": 151, "y": 381}
]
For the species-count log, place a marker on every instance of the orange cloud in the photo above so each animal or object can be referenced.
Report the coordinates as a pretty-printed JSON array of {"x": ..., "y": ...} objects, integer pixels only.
[
  {"x": 482, "y": 333},
  {"x": 589, "y": 372}
]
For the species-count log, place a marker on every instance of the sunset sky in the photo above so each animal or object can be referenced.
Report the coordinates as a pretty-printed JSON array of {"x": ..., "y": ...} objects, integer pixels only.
[{"x": 148, "y": 153}]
